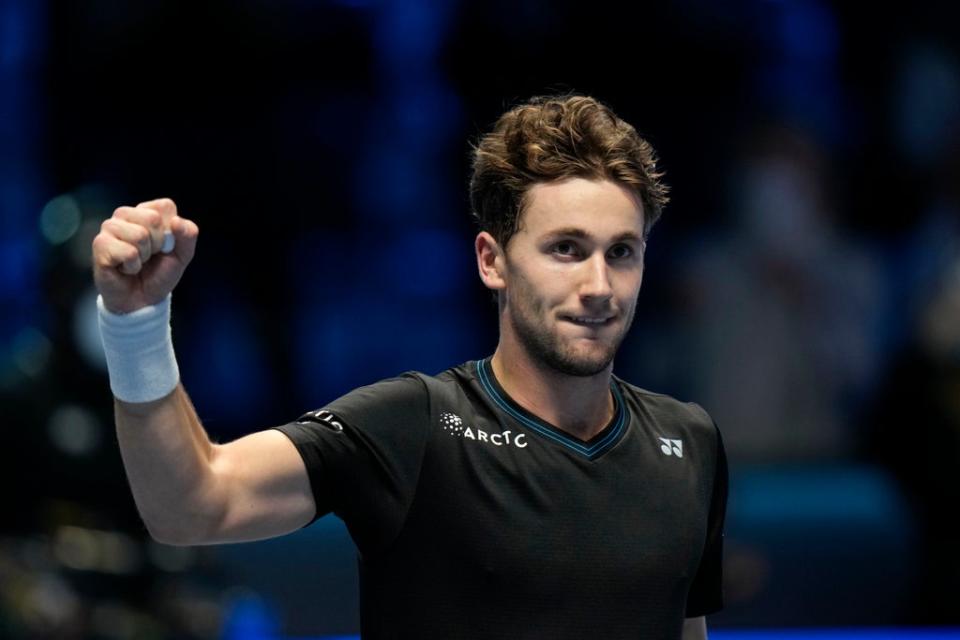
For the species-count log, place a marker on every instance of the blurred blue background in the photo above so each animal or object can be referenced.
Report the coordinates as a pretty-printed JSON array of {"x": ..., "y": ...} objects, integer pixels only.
[{"x": 803, "y": 285}]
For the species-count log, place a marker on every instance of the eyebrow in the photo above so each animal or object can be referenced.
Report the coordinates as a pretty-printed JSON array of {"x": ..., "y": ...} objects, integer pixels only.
[{"x": 576, "y": 232}]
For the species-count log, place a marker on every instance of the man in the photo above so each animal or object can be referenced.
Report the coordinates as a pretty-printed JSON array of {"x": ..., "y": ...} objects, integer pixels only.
[{"x": 531, "y": 494}]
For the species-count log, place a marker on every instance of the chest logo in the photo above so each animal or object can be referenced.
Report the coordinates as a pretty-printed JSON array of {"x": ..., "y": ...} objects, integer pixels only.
[
  {"x": 453, "y": 425},
  {"x": 671, "y": 447}
]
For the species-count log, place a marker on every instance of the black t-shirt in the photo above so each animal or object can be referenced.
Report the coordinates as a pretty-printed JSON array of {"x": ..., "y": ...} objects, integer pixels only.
[{"x": 476, "y": 519}]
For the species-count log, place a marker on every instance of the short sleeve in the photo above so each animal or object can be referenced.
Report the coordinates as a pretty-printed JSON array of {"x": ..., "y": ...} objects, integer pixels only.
[
  {"x": 706, "y": 592},
  {"x": 363, "y": 454}
]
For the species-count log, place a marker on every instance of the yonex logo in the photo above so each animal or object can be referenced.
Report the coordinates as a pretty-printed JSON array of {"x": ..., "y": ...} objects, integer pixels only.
[
  {"x": 453, "y": 424},
  {"x": 671, "y": 447}
]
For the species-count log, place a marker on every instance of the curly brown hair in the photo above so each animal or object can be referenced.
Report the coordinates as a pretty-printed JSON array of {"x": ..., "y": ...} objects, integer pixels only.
[{"x": 552, "y": 138}]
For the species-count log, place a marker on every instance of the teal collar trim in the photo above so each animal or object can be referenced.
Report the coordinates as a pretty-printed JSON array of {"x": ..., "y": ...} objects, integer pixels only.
[{"x": 592, "y": 449}]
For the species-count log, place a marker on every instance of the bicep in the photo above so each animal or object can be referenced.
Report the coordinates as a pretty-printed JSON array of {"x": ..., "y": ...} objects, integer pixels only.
[{"x": 264, "y": 487}]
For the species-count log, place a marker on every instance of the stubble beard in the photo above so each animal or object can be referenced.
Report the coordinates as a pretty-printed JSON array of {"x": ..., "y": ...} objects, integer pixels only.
[{"x": 548, "y": 347}]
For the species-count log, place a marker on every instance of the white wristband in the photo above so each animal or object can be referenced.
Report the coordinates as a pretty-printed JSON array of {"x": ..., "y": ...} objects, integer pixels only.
[{"x": 139, "y": 352}]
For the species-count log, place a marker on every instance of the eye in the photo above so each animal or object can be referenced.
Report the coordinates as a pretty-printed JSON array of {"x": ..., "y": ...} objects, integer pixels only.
[
  {"x": 565, "y": 248},
  {"x": 620, "y": 251}
]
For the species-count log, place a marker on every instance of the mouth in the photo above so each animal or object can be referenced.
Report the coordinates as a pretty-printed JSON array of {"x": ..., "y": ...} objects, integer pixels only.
[{"x": 588, "y": 321}]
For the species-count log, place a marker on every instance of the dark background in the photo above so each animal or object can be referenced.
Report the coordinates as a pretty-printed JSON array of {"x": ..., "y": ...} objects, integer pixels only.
[{"x": 803, "y": 284}]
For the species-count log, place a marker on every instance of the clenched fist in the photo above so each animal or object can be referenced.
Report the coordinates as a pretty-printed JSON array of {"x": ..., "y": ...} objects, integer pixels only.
[{"x": 129, "y": 267}]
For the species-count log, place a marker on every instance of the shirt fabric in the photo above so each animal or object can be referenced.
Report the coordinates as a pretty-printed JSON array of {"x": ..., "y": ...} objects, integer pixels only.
[{"x": 474, "y": 518}]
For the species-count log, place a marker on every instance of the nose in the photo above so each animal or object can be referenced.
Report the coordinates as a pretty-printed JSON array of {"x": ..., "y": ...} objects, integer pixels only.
[{"x": 595, "y": 285}]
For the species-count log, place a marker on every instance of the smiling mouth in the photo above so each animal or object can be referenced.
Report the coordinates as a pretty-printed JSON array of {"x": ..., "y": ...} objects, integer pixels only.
[{"x": 588, "y": 321}]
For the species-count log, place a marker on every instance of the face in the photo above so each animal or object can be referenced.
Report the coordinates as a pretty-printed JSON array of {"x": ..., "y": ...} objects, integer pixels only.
[{"x": 572, "y": 273}]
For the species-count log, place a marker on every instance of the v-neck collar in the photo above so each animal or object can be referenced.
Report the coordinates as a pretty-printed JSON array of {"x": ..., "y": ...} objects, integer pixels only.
[{"x": 591, "y": 449}]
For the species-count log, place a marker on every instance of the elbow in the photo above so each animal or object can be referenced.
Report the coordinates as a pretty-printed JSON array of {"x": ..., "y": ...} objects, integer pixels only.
[
  {"x": 180, "y": 531},
  {"x": 177, "y": 536},
  {"x": 190, "y": 520}
]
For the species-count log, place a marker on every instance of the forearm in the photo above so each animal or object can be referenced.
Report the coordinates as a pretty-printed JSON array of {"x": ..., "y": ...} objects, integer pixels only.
[{"x": 167, "y": 456}]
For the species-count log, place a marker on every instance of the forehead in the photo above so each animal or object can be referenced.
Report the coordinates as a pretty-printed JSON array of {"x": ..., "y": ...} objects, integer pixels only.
[{"x": 598, "y": 207}]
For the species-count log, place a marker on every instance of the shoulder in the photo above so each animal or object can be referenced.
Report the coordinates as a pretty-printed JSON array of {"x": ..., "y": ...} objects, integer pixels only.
[
  {"x": 406, "y": 385},
  {"x": 382, "y": 402},
  {"x": 406, "y": 393},
  {"x": 688, "y": 418},
  {"x": 447, "y": 383}
]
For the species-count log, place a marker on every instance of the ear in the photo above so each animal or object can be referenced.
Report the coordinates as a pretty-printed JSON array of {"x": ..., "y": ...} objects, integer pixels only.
[{"x": 490, "y": 261}]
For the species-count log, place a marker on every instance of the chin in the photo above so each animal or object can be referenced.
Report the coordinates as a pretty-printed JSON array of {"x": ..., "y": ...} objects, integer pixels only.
[
  {"x": 567, "y": 354},
  {"x": 579, "y": 365}
]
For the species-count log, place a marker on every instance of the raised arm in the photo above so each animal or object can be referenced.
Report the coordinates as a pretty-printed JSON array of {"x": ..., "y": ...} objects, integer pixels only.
[{"x": 188, "y": 490}]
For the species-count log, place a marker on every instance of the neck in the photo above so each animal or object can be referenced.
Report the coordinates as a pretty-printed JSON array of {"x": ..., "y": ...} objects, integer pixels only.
[{"x": 580, "y": 405}]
